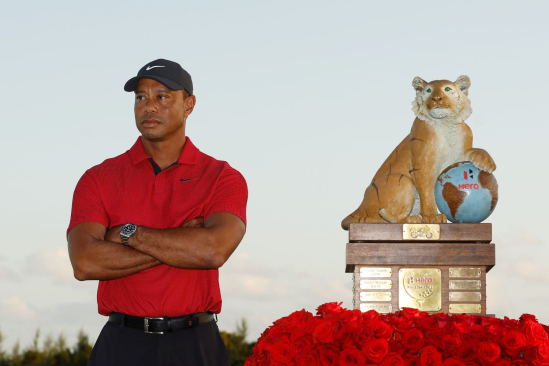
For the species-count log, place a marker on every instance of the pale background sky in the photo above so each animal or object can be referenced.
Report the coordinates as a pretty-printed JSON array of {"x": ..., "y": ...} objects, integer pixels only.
[{"x": 305, "y": 98}]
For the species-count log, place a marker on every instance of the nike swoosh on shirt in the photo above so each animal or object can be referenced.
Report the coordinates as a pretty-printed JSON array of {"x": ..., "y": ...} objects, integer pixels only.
[
  {"x": 152, "y": 67},
  {"x": 186, "y": 180}
]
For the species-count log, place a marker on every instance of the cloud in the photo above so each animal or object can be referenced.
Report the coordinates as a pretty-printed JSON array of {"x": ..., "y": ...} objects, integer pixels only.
[
  {"x": 54, "y": 264},
  {"x": 15, "y": 307},
  {"x": 531, "y": 271},
  {"x": 9, "y": 274}
]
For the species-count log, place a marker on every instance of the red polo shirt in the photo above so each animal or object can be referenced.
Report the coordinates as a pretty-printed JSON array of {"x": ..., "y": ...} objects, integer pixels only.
[{"x": 126, "y": 189}]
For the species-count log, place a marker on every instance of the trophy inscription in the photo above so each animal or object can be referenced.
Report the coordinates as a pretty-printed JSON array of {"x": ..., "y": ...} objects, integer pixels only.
[
  {"x": 465, "y": 272},
  {"x": 375, "y": 296},
  {"x": 420, "y": 288},
  {"x": 380, "y": 308},
  {"x": 421, "y": 232},
  {"x": 465, "y": 285},
  {"x": 465, "y": 296},
  {"x": 465, "y": 308},
  {"x": 375, "y": 272},
  {"x": 376, "y": 284}
]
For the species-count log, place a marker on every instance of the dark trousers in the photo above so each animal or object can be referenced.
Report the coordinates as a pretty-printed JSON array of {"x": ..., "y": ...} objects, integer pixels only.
[{"x": 200, "y": 345}]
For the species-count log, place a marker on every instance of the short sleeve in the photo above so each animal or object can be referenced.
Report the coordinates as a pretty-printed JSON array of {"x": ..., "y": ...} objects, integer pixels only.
[
  {"x": 87, "y": 204},
  {"x": 230, "y": 195}
]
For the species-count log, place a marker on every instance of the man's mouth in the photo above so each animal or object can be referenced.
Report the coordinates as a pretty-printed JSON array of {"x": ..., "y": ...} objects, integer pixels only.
[{"x": 149, "y": 123}]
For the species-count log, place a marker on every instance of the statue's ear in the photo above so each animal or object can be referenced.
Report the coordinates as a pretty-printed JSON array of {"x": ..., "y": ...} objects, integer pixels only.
[
  {"x": 418, "y": 83},
  {"x": 463, "y": 82}
]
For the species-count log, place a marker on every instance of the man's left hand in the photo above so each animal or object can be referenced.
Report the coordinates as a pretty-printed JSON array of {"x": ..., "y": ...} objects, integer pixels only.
[{"x": 113, "y": 235}]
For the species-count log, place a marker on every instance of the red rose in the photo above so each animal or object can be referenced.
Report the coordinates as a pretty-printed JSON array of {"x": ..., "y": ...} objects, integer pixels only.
[
  {"x": 495, "y": 331},
  {"x": 283, "y": 350},
  {"x": 328, "y": 354},
  {"x": 453, "y": 362},
  {"x": 352, "y": 319},
  {"x": 330, "y": 310},
  {"x": 513, "y": 343},
  {"x": 375, "y": 350},
  {"x": 511, "y": 324},
  {"x": 402, "y": 324},
  {"x": 381, "y": 329},
  {"x": 303, "y": 342},
  {"x": 538, "y": 354},
  {"x": 413, "y": 340},
  {"x": 410, "y": 360},
  {"x": 310, "y": 359},
  {"x": 392, "y": 359},
  {"x": 424, "y": 321},
  {"x": 351, "y": 356},
  {"x": 369, "y": 316},
  {"x": 449, "y": 345},
  {"x": 433, "y": 337},
  {"x": 503, "y": 362},
  {"x": 533, "y": 332},
  {"x": 324, "y": 332},
  {"x": 467, "y": 352},
  {"x": 528, "y": 317},
  {"x": 429, "y": 356},
  {"x": 477, "y": 331},
  {"x": 488, "y": 353},
  {"x": 519, "y": 362},
  {"x": 298, "y": 319}
]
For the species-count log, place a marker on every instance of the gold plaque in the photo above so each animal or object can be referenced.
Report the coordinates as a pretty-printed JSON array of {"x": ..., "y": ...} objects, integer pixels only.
[
  {"x": 465, "y": 296},
  {"x": 465, "y": 272},
  {"x": 380, "y": 308},
  {"x": 465, "y": 308},
  {"x": 420, "y": 288},
  {"x": 421, "y": 231},
  {"x": 375, "y": 272},
  {"x": 376, "y": 284},
  {"x": 375, "y": 296},
  {"x": 465, "y": 285}
]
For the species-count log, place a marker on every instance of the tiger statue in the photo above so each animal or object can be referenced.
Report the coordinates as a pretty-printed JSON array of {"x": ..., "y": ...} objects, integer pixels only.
[{"x": 403, "y": 189}]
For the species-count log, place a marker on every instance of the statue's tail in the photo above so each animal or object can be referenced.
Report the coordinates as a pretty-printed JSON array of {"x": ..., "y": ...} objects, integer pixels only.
[
  {"x": 354, "y": 217},
  {"x": 387, "y": 216}
]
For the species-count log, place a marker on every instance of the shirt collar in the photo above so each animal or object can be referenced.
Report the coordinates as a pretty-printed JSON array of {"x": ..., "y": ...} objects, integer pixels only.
[{"x": 189, "y": 155}]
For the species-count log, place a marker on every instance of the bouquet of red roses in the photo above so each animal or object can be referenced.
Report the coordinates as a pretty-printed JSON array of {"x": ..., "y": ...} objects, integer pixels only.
[{"x": 337, "y": 336}]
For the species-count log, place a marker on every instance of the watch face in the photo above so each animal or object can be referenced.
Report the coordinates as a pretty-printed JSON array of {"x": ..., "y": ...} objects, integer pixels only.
[{"x": 127, "y": 229}]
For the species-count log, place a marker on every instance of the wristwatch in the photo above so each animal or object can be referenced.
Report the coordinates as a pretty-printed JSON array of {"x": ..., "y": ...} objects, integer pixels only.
[{"x": 126, "y": 231}]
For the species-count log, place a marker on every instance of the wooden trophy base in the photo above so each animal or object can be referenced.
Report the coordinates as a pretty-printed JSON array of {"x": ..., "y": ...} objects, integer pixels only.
[{"x": 430, "y": 267}]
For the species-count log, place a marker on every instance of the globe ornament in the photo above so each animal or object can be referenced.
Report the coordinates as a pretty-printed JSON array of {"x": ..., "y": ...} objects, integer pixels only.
[{"x": 465, "y": 193}]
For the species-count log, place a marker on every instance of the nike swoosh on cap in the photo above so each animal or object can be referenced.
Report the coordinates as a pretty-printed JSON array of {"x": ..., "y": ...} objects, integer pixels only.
[{"x": 152, "y": 67}]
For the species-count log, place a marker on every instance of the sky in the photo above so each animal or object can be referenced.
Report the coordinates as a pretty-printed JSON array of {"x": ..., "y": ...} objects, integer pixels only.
[{"x": 305, "y": 98}]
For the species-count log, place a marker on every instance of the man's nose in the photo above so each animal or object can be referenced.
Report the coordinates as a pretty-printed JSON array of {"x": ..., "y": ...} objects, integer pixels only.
[{"x": 150, "y": 107}]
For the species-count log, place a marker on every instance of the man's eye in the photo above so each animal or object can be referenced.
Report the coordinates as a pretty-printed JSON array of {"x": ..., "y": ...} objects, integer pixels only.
[
  {"x": 162, "y": 96},
  {"x": 139, "y": 97},
  {"x": 429, "y": 90},
  {"x": 447, "y": 89}
]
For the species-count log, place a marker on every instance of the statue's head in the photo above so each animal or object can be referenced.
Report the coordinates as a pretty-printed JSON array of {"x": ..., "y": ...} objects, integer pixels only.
[{"x": 442, "y": 101}]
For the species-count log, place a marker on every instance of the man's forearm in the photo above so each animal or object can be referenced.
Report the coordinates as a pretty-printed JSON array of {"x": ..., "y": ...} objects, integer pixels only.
[{"x": 103, "y": 260}]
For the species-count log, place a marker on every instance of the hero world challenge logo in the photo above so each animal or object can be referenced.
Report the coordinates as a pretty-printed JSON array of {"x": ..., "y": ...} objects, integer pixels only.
[{"x": 466, "y": 176}]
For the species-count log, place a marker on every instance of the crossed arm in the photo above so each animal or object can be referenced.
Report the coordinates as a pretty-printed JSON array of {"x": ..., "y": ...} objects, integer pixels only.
[{"x": 98, "y": 254}]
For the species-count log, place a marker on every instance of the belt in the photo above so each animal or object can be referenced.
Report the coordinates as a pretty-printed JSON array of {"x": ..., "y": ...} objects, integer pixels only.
[{"x": 161, "y": 325}]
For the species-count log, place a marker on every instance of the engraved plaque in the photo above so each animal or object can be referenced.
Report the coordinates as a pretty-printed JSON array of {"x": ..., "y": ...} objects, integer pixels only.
[
  {"x": 375, "y": 272},
  {"x": 465, "y": 272},
  {"x": 465, "y": 285},
  {"x": 376, "y": 284},
  {"x": 421, "y": 231},
  {"x": 375, "y": 296},
  {"x": 380, "y": 308},
  {"x": 465, "y": 308},
  {"x": 465, "y": 296},
  {"x": 420, "y": 288}
]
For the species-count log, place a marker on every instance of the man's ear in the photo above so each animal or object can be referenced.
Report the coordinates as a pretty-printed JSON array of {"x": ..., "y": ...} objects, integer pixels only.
[{"x": 190, "y": 102}]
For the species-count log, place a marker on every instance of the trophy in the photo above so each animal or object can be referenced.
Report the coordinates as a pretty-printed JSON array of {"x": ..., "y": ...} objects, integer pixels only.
[{"x": 401, "y": 250}]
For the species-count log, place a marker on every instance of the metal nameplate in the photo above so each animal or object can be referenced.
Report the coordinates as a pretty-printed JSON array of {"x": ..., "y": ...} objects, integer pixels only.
[
  {"x": 421, "y": 232},
  {"x": 380, "y": 308},
  {"x": 376, "y": 284},
  {"x": 465, "y": 296},
  {"x": 375, "y": 272},
  {"x": 375, "y": 296},
  {"x": 465, "y": 308},
  {"x": 465, "y": 272},
  {"x": 420, "y": 288},
  {"x": 465, "y": 284}
]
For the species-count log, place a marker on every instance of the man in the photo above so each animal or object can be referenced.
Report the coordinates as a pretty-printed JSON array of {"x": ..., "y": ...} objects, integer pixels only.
[{"x": 153, "y": 225}]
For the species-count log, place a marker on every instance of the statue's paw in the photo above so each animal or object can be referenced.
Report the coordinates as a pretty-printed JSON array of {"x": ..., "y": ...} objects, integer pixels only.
[
  {"x": 435, "y": 219},
  {"x": 411, "y": 220},
  {"x": 482, "y": 160}
]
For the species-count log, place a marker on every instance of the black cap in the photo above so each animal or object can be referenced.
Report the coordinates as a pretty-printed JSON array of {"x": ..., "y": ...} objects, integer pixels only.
[{"x": 169, "y": 73}]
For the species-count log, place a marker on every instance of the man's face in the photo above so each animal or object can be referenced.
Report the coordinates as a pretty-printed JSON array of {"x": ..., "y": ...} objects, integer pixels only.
[{"x": 159, "y": 111}]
